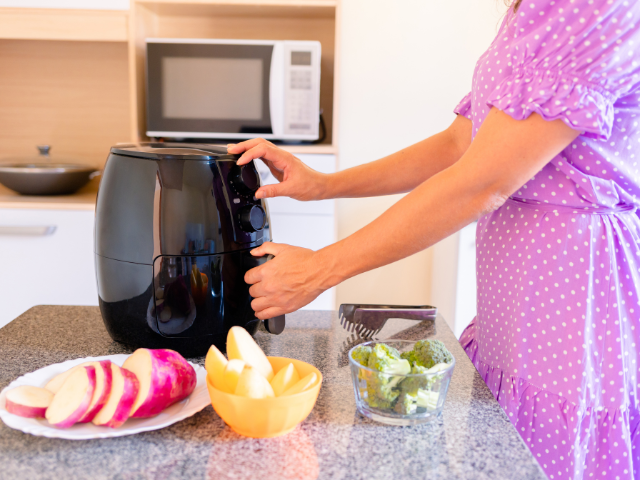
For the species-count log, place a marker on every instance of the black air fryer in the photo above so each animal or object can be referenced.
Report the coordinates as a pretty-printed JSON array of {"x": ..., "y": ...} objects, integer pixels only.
[{"x": 174, "y": 227}]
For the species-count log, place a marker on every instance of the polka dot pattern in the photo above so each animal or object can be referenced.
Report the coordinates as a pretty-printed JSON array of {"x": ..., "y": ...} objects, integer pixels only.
[{"x": 558, "y": 266}]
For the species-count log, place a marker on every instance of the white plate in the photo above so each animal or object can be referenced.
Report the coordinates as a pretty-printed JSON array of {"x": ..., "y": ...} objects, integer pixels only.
[{"x": 195, "y": 402}]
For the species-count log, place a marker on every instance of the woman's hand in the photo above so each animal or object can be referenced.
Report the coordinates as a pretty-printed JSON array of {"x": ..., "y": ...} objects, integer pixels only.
[
  {"x": 292, "y": 279},
  {"x": 296, "y": 179}
]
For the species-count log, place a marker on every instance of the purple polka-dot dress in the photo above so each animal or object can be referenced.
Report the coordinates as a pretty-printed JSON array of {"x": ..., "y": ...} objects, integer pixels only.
[{"x": 557, "y": 335}]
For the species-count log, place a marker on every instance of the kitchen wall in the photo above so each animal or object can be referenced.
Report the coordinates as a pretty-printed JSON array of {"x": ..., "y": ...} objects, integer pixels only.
[{"x": 404, "y": 66}]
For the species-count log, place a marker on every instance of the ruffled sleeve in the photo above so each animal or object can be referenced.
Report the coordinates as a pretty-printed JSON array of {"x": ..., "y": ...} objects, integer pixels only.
[
  {"x": 464, "y": 107},
  {"x": 572, "y": 62},
  {"x": 584, "y": 107}
]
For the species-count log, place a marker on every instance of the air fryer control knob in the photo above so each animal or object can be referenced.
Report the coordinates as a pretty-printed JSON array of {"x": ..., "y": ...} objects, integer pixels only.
[
  {"x": 252, "y": 218},
  {"x": 244, "y": 180}
]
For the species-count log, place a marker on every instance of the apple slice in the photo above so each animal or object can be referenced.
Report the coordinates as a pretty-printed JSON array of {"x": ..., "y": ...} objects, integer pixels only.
[
  {"x": 214, "y": 364},
  {"x": 286, "y": 378},
  {"x": 253, "y": 385},
  {"x": 123, "y": 394},
  {"x": 73, "y": 399},
  {"x": 232, "y": 373},
  {"x": 29, "y": 402},
  {"x": 304, "y": 384},
  {"x": 242, "y": 346},
  {"x": 101, "y": 392}
]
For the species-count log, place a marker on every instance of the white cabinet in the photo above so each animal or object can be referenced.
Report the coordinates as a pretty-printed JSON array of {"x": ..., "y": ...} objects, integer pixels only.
[
  {"x": 304, "y": 224},
  {"x": 46, "y": 258}
]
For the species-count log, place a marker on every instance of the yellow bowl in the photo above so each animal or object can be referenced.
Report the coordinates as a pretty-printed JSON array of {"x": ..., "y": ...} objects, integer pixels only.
[{"x": 267, "y": 417}]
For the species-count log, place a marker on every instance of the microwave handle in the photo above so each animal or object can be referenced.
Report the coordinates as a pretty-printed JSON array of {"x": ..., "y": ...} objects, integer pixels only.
[{"x": 276, "y": 89}]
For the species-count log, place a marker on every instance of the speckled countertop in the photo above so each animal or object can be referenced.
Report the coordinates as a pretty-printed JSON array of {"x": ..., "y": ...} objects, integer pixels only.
[{"x": 472, "y": 440}]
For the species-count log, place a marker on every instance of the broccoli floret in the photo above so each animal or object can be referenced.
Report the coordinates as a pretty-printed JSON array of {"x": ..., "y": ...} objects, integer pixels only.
[
  {"x": 429, "y": 353},
  {"x": 409, "y": 356},
  {"x": 383, "y": 360},
  {"x": 361, "y": 354},
  {"x": 376, "y": 402},
  {"x": 427, "y": 399},
  {"x": 392, "y": 352},
  {"x": 411, "y": 385},
  {"x": 406, "y": 404},
  {"x": 383, "y": 387}
]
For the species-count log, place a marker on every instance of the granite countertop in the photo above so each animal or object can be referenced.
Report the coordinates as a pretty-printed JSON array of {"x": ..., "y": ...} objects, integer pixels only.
[{"x": 472, "y": 440}]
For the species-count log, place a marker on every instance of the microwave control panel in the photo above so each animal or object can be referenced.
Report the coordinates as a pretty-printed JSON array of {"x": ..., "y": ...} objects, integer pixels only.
[{"x": 302, "y": 88}]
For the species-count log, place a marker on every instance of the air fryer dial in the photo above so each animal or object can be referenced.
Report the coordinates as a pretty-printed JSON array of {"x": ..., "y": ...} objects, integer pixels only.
[
  {"x": 244, "y": 180},
  {"x": 252, "y": 218}
]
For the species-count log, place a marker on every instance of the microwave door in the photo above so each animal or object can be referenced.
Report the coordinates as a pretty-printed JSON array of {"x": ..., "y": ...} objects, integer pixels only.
[
  {"x": 210, "y": 90},
  {"x": 277, "y": 90}
]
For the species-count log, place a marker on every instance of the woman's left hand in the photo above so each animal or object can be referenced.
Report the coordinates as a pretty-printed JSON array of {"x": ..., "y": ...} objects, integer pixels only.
[{"x": 291, "y": 280}]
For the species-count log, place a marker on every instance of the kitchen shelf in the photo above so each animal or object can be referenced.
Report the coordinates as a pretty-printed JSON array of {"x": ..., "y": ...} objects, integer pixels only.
[
  {"x": 319, "y": 8},
  {"x": 64, "y": 24},
  {"x": 238, "y": 19}
]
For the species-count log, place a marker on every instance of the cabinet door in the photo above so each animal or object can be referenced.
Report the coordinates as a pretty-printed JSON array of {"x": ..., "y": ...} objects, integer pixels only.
[
  {"x": 46, "y": 258},
  {"x": 304, "y": 224}
]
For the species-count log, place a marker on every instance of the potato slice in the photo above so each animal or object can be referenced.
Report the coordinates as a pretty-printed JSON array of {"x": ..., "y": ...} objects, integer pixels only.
[
  {"x": 123, "y": 394},
  {"x": 27, "y": 401},
  {"x": 73, "y": 399},
  {"x": 241, "y": 346},
  {"x": 232, "y": 373},
  {"x": 253, "y": 385},
  {"x": 214, "y": 364},
  {"x": 286, "y": 378},
  {"x": 165, "y": 378},
  {"x": 304, "y": 384}
]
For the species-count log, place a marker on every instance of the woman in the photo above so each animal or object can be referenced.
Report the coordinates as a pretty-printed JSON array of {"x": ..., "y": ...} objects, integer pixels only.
[{"x": 542, "y": 152}]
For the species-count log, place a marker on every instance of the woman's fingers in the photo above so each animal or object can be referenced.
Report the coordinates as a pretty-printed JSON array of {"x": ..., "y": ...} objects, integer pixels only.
[
  {"x": 270, "y": 191},
  {"x": 238, "y": 148},
  {"x": 270, "y": 313},
  {"x": 269, "y": 248}
]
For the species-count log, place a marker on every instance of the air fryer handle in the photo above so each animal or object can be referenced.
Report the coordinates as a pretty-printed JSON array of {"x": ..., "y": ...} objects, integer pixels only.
[{"x": 274, "y": 325}]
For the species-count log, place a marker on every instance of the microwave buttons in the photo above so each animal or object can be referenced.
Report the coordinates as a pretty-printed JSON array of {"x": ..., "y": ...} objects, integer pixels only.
[
  {"x": 252, "y": 218},
  {"x": 244, "y": 180}
]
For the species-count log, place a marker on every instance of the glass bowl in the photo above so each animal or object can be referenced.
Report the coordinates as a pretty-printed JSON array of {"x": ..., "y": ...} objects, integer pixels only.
[{"x": 433, "y": 389}]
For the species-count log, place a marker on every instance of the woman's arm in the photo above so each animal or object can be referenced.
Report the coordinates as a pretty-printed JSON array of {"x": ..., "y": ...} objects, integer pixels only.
[
  {"x": 398, "y": 173},
  {"x": 403, "y": 171},
  {"x": 504, "y": 155}
]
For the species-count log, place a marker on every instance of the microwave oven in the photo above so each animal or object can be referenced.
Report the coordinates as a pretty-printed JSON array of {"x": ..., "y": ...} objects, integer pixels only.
[{"x": 233, "y": 89}]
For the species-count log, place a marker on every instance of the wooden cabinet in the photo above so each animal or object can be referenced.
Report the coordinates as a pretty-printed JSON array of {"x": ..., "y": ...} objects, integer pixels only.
[{"x": 75, "y": 78}]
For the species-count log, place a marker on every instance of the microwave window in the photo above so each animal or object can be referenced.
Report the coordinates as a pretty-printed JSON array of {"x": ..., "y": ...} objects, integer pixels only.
[{"x": 212, "y": 88}]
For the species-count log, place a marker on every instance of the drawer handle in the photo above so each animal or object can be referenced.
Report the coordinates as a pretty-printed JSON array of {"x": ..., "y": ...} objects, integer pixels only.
[{"x": 29, "y": 231}]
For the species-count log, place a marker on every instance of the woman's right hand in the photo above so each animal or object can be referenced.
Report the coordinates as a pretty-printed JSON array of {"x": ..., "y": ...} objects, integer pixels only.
[{"x": 297, "y": 181}]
